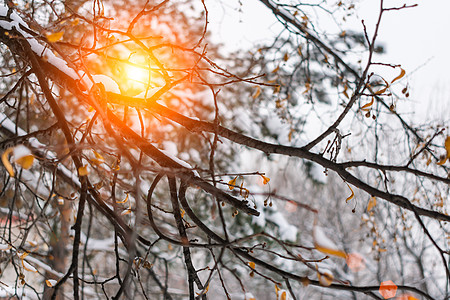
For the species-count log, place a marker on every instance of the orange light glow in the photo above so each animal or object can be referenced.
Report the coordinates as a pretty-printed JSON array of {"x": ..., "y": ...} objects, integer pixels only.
[
  {"x": 388, "y": 289},
  {"x": 136, "y": 75}
]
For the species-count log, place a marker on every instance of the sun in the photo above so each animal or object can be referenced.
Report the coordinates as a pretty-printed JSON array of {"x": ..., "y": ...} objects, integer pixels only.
[{"x": 137, "y": 74}]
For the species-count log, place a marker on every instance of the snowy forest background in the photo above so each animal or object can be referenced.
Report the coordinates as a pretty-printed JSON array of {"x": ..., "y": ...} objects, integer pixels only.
[{"x": 142, "y": 158}]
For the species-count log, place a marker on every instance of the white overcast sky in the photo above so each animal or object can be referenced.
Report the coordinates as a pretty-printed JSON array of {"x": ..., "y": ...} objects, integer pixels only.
[{"x": 417, "y": 38}]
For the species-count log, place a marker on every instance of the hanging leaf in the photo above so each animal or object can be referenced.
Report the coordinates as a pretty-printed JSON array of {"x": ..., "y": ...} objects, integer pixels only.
[
  {"x": 257, "y": 92},
  {"x": 123, "y": 201},
  {"x": 51, "y": 282},
  {"x": 383, "y": 89},
  {"x": 232, "y": 183},
  {"x": 351, "y": 196},
  {"x": 447, "y": 146},
  {"x": 265, "y": 179},
  {"x": 326, "y": 278},
  {"x": 283, "y": 295},
  {"x": 372, "y": 203},
  {"x": 251, "y": 265},
  {"x": 367, "y": 106},
  {"x": 345, "y": 91},
  {"x": 54, "y": 37},
  {"x": 402, "y": 73},
  {"x": 6, "y": 162}
]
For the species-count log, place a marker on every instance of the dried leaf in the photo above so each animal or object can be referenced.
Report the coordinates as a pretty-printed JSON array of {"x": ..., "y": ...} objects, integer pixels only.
[
  {"x": 83, "y": 171},
  {"x": 351, "y": 196},
  {"x": 323, "y": 244},
  {"x": 27, "y": 266},
  {"x": 345, "y": 91},
  {"x": 447, "y": 146},
  {"x": 383, "y": 89},
  {"x": 326, "y": 278},
  {"x": 54, "y": 37},
  {"x": 257, "y": 92},
  {"x": 251, "y": 264},
  {"x": 6, "y": 162},
  {"x": 367, "y": 106},
  {"x": 232, "y": 183},
  {"x": 402, "y": 73},
  {"x": 283, "y": 296},
  {"x": 442, "y": 161},
  {"x": 286, "y": 57},
  {"x": 265, "y": 179},
  {"x": 25, "y": 161},
  {"x": 51, "y": 282},
  {"x": 124, "y": 200},
  {"x": 372, "y": 203}
]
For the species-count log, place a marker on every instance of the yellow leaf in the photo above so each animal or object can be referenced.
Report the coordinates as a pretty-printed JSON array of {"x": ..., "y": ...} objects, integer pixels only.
[
  {"x": 25, "y": 161},
  {"x": 447, "y": 146},
  {"x": 182, "y": 212},
  {"x": 265, "y": 179},
  {"x": 126, "y": 212},
  {"x": 351, "y": 196},
  {"x": 90, "y": 109},
  {"x": 402, "y": 73},
  {"x": 251, "y": 264},
  {"x": 277, "y": 89},
  {"x": 334, "y": 252},
  {"x": 257, "y": 92},
  {"x": 324, "y": 245},
  {"x": 54, "y": 37},
  {"x": 442, "y": 161},
  {"x": 345, "y": 91},
  {"x": 325, "y": 279},
  {"x": 372, "y": 203},
  {"x": 83, "y": 171},
  {"x": 6, "y": 162},
  {"x": 367, "y": 106},
  {"x": 97, "y": 155},
  {"x": 277, "y": 288},
  {"x": 51, "y": 282},
  {"x": 276, "y": 69},
  {"x": 123, "y": 201},
  {"x": 232, "y": 183},
  {"x": 283, "y": 296},
  {"x": 27, "y": 266},
  {"x": 383, "y": 89}
]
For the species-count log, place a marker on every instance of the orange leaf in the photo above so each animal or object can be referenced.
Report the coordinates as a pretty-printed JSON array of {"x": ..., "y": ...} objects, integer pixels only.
[
  {"x": 402, "y": 73},
  {"x": 54, "y": 37},
  {"x": 326, "y": 278},
  {"x": 447, "y": 146},
  {"x": 351, "y": 196},
  {"x": 232, "y": 183},
  {"x": 251, "y": 264},
  {"x": 123, "y": 201},
  {"x": 257, "y": 92},
  {"x": 6, "y": 162},
  {"x": 265, "y": 179},
  {"x": 372, "y": 203},
  {"x": 367, "y": 106},
  {"x": 83, "y": 171}
]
